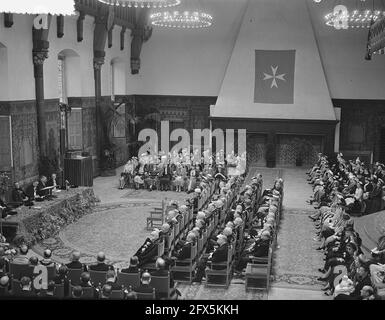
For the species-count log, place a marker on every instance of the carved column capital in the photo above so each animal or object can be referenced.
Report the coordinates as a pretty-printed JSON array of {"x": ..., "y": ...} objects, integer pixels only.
[
  {"x": 135, "y": 65},
  {"x": 98, "y": 62},
  {"x": 39, "y": 57}
]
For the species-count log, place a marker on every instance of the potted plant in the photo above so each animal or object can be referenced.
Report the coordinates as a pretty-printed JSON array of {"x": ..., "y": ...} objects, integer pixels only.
[{"x": 270, "y": 155}]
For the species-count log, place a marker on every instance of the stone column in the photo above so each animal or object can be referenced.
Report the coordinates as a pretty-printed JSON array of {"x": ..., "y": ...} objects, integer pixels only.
[
  {"x": 98, "y": 62},
  {"x": 38, "y": 61}
]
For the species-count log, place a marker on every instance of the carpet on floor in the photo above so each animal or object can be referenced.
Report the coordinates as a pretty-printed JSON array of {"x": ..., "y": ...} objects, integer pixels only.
[{"x": 296, "y": 260}]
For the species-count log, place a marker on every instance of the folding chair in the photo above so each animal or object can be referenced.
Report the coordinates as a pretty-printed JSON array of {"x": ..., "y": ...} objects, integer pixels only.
[
  {"x": 98, "y": 278},
  {"x": 128, "y": 279}
]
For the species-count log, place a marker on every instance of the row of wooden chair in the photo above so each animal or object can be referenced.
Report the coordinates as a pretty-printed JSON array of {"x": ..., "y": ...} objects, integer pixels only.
[
  {"x": 126, "y": 280},
  {"x": 188, "y": 266},
  {"x": 258, "y": 271}
]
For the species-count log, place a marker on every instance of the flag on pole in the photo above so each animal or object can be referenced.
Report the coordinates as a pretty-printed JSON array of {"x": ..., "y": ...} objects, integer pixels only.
[{"x": 274, "y": 76}]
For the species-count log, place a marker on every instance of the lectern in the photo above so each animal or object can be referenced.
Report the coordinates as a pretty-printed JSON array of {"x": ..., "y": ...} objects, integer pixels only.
[{"x": 78, "y": 171}]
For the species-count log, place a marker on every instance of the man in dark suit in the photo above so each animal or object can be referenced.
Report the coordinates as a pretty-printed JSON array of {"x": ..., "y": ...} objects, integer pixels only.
[
  {"x": 185, "y": 251},
  {"x": 111, "y": 280},
  {"x": 19, "y": 196},
  {"x": 218, "y": 255},
  {"x": 133, "y": 268},
  {"x": 145, "y": 286},
  {"x": 162, "y": 271},
  {"x": 41, "y": 188},
  {"x": 32, "y": 192},
  {"x": 100, "y": 263},
  {"x": 75, "y": 263},
  {"x": 260, "y": 248}
]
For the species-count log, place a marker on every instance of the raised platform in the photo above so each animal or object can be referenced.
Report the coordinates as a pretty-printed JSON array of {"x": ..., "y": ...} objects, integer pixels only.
[{"x": 47, "y": 218}]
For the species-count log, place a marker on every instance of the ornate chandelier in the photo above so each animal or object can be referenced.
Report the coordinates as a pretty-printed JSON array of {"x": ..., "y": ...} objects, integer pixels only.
[
  {"x": 361, "y": 17},
  {"x": 143, "y": 3},
  {"x": 178, "y": 19}
]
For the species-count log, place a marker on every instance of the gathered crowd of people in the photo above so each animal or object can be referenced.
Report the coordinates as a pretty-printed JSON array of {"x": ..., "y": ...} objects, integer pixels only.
[
  {"x": 225, "y": 220},
  {"x": 178, "y": 171},
  {"x": 38, "y": 191},
  {"x": 338, "y": 191},
  {"x": 360, "y": 187}
]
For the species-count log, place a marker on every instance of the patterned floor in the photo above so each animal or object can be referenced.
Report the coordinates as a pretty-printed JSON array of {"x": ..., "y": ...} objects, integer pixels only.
[{"x": 296, "y": 260}]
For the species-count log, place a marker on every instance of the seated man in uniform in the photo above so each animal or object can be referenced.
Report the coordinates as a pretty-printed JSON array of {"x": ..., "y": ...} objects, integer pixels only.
[{"x": 149, "y": 250}]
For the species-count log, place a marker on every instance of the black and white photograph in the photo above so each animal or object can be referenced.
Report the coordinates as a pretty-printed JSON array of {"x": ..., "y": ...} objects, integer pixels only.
[{"x": 195, "y": 154}]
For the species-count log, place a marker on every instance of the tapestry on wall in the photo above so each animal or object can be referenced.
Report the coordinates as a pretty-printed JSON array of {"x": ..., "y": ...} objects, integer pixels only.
[{"x": 274, "y": 76}]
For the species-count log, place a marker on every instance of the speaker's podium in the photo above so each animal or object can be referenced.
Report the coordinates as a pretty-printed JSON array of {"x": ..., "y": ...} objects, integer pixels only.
[{"x": 78, "y": 171}]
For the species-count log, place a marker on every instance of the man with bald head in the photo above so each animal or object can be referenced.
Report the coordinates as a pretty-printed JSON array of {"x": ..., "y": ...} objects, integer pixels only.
[
  {"x": 100, "y": 263},
  {"x": 162, "y": 271},
  {"x": 75, "y": 262},
  {"x": 145, "y": 286}
]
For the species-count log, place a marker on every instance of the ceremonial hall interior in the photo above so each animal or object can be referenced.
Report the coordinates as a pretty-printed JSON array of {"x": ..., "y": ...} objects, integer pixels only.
[{"x": 192, "y": 149}]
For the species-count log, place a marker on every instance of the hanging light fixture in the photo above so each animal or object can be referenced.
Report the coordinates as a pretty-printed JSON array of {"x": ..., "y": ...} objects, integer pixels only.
[
  {"x": 189, "y": 16},
  {"x": 360, "y": 17},
  {"x": 142, "y": 3}
]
